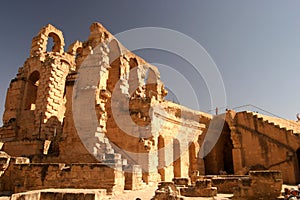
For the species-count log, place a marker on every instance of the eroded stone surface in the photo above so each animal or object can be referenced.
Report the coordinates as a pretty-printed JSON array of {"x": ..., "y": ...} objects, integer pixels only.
[{"x": 98, "y": 103}]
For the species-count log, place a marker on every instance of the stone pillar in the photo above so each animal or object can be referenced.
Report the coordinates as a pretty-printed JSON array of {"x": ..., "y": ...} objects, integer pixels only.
[
  {"x": 237, "y": 160},
  {"x": 201, "y": 166},
  {"x": 237, "y": 150},
  {"x": 184, "y": 160},
  {"x": 149, "y": 163},
  {"x": 50, "y": 103}
]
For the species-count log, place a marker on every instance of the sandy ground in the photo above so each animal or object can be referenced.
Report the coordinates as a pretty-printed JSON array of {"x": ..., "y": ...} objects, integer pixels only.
[{"x": 148, "y": 192}]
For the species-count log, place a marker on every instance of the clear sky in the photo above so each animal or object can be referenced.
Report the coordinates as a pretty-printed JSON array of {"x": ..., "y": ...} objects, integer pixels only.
[{"x": 254, "y": 43}]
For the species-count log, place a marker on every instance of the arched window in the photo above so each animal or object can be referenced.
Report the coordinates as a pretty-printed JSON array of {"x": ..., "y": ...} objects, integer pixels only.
[
  {"x": 114, "y": 61},
  {"x": 48, "y": 35},
  {"x": 31, "y": 90},
  {"x": 114, "y": 51}
]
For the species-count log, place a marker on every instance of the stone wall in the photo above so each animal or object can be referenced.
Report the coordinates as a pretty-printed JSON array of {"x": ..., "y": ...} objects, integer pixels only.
[
  {"x": 25, "y": 177},
  {"x": 259, "y": 184},
  {"x": 177, "y": 130},
  {"x": 265, "y": 145}
]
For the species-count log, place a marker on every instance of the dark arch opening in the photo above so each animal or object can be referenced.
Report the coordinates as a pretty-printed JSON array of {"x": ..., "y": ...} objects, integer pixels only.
[
  {"x": 31, "y": 90},
  {"x": 219, "y": 160},
  {"x": 53, "y": 43}
]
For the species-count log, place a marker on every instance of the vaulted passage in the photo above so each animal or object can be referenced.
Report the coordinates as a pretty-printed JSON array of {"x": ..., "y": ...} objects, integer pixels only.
[{"x": 219, "y": 160}]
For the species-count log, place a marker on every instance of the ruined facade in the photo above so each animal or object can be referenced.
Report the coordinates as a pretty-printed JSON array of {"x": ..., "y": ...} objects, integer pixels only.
[{"x": 98, "y": 108}]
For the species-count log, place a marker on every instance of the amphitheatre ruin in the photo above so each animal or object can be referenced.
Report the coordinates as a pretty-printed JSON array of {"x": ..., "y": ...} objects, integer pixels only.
[{"x": 95, "y": 117}]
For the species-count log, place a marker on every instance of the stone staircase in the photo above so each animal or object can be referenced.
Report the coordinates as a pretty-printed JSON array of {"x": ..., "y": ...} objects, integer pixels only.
[
  {"x": 287, "y": 125},
  {"x": 105, "y": 153}
]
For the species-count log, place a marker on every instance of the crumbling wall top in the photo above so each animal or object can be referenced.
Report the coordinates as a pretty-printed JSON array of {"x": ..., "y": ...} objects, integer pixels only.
[{"x": 39, "y": 42}]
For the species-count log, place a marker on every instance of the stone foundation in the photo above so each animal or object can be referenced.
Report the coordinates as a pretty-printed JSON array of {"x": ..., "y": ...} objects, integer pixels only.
[
  {"x": 202, "y": 188},
  {"x": 26, "y": 177},
  {"x": 61, "y": 194},
  {"x": 259, "y": 185}
]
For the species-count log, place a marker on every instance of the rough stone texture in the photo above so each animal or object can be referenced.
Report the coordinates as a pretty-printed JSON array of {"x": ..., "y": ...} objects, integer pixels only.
[
  {"x": 259, "y": 185},
  {"x": 24, "y": 177},
  {"x": 166, "y": 191},
  {"x": 133, "y": 178},
  {"x": 224, "y": 183},
  {"x": 251, "y": 141},
  {"x": 202, "y": 188},
  {"x": 100, "y": 103}
]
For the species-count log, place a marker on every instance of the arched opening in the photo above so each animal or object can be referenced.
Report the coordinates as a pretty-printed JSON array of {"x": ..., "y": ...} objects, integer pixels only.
[
  {"x": 133, "y": 76},
  {"x": 31, "y": 90},
  {"x": 50, "y": 44},
  {"x": 114, "y": 61},
  {"x": 54, "y": 44},
  {"x": 78, "y": 52},
  {"x": 192, "y": 158},
  {"x": 161, "y": 157},
  {"x": 219, "y": 160},
  {"x": 151, "y": 83},
  {"x": 114, "y": 51},
  {"x": 176, "y": 158}
]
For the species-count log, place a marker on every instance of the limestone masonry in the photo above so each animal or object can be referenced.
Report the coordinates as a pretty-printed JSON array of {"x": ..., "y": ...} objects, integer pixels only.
[{"x": 95, "y": 117}]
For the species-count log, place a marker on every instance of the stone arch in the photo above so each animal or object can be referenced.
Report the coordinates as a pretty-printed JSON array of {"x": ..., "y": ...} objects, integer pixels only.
[
  {"x": 176, "y": 158},
  {"x": 31, "y": 90},
  {"x": 161, "y": 157},
  {"x": 115, "y": 65},
  {"x": 114, "y": 51},
  {"x": 75, "y": 48},
  {"x": 220, "y": 158},
  {"x": 39, "y": 42},
  {"x": 151, "y": 81},
  {"x": 134, "y": 80}
]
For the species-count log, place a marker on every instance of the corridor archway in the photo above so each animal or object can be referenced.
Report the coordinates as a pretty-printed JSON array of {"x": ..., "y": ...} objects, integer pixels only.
[{"x": 219, "y": 160}]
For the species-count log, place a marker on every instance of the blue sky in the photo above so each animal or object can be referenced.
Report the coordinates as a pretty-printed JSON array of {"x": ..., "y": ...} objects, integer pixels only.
[{"x": 255, "y": 44}]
